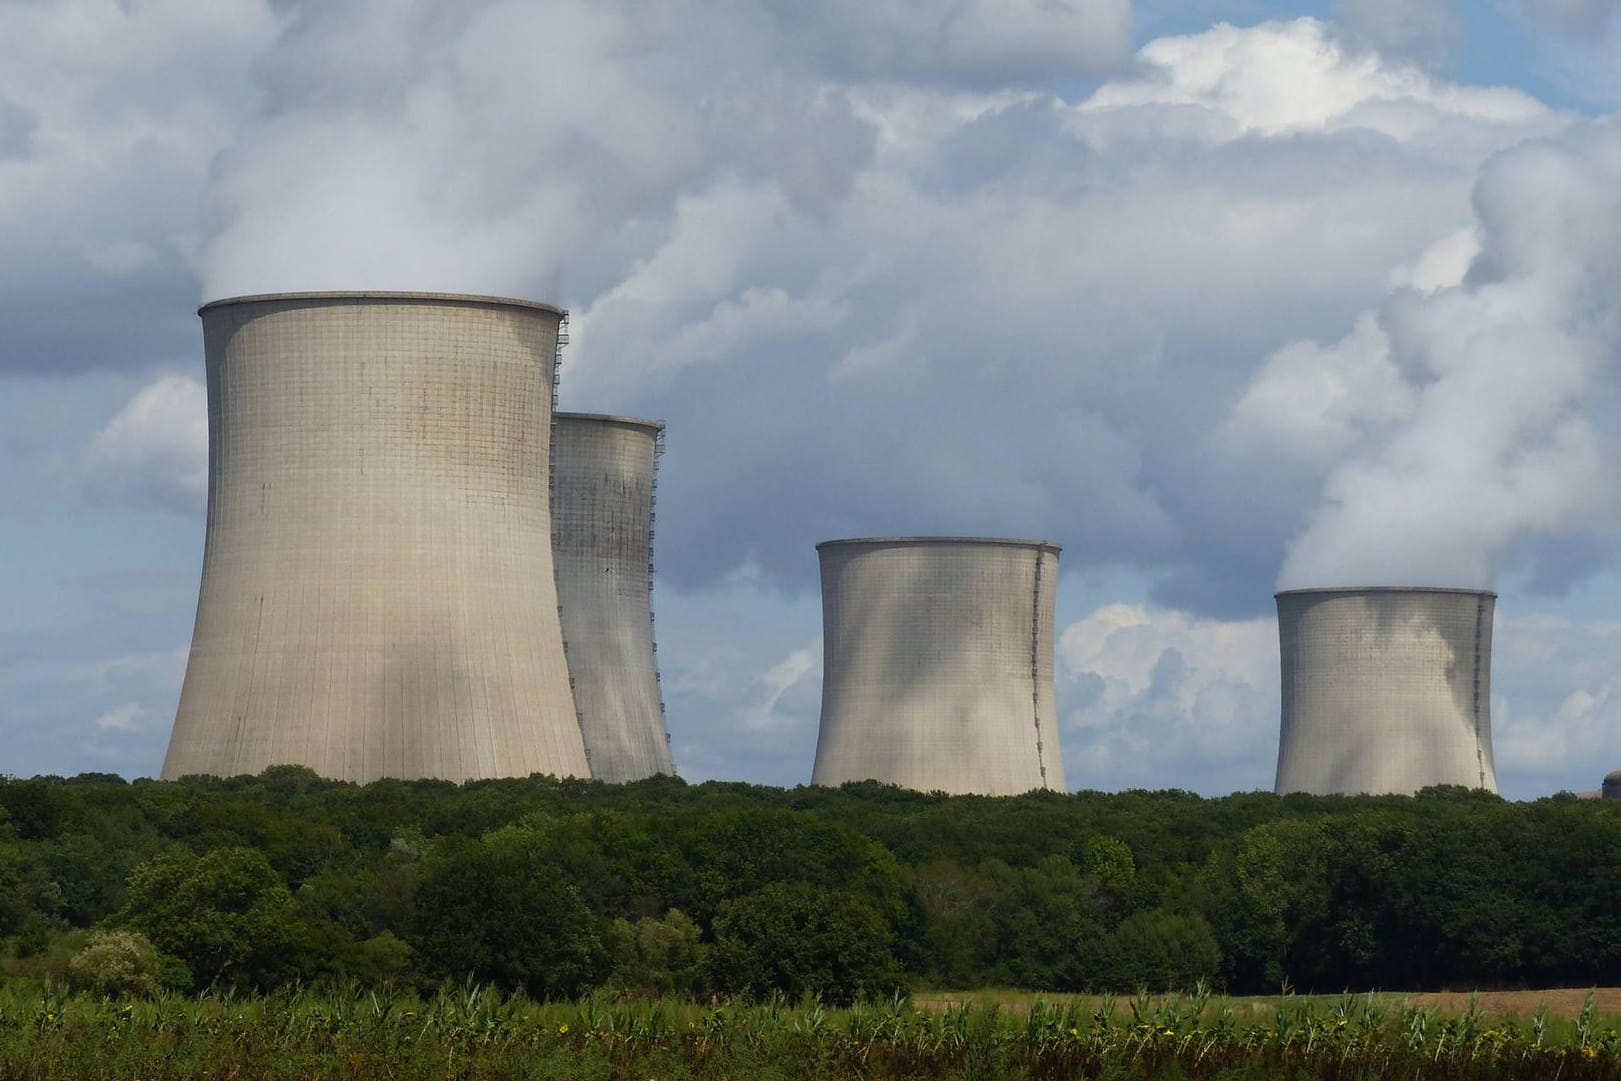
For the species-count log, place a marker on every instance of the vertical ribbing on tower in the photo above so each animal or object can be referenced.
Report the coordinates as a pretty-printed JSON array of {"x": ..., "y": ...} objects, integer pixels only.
[
  {"x": 377, "y": 595},
  {"x": 937, "y": 650}
]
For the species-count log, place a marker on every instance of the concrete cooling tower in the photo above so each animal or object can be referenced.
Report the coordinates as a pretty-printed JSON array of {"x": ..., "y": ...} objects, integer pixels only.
[
  {"x": 377, "y": 596},
  {"x": 938, "y": 671},
  {"x": 603, "y": 480},
  {"x": 1385, "y": 690}
]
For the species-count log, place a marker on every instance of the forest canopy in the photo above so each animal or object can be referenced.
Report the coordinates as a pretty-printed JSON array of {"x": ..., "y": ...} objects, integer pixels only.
[{"x": 562, "y": 887}]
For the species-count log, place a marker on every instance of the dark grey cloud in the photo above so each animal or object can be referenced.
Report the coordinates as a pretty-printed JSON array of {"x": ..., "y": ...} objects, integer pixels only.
[
  {"x": 112, "y": 114},
  {"x": 974, "y": 44}
]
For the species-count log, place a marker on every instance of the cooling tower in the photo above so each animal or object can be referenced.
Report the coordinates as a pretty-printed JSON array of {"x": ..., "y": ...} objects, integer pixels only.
[
  {"x": 377, "y": 596},
  {"x": 603, "y": 479},
  {"x": 1611, "y": 788},
  {"x": 938, "y": 664},
  {"x": 1385, "y": 690}
]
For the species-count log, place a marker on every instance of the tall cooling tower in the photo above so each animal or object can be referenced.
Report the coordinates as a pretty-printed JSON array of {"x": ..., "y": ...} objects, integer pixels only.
[
  {"x": 603, "y": 480},
  {"x": 378, "y": 597},
  {"x": 1385, "y": 690},
  {"x": 1611, "y": 788},
  {"x": 938, "y": 670}
]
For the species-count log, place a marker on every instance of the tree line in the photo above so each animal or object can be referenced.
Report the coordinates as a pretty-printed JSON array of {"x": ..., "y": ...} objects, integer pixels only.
[{"x": 562, "y": 887}]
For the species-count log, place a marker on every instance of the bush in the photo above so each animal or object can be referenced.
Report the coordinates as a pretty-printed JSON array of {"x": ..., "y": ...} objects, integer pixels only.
[
  {"x": 486, "y": 909},
  {"x": 124, "y": 963},
  {"x": 1162, "y": 951},
  {"x": 657, "y": 956},
  {"x": 803, "y": 939},
  {"x": 226, "y": 914}
]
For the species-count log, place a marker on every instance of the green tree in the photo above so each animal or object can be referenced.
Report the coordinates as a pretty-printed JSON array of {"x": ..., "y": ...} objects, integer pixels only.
[
  {"x": 799, "y": 938},
  {"x": 28, "y": 896},
  {"x": 1282, "y": 893},
  {"x": 1110, "y": 861},
  {"x": 226, "y": 914},
  {"x": 959, "y": 943},
  {"x": 657, "y": 956},
  {"x": 1162, "y": 951},
  {"x": 496, "y": 910},
  {"x": 32, "y": 808}
]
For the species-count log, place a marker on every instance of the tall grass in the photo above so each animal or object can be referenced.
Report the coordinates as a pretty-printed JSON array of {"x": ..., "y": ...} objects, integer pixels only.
[{"x": 472, "y": 1032}]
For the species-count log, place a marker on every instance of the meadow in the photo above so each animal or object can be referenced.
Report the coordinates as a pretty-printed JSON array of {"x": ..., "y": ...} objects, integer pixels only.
[{"x": 473, "y": 1032}]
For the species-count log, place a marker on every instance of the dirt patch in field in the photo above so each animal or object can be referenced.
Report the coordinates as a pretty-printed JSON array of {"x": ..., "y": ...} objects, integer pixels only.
[{"x": 1561, "y": 1001}]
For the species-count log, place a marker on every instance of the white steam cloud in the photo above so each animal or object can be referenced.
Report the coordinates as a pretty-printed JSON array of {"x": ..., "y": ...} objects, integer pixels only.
[{"x": 1465, "y": 412}]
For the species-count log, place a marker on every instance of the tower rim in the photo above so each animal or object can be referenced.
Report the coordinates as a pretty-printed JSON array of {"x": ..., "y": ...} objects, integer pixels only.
[
  {"x": 1385, "y": 589},
  {"x": 944, "y": 542},
  {"x": 611, "y": 418},
  {"x": 468, "y": 299}
]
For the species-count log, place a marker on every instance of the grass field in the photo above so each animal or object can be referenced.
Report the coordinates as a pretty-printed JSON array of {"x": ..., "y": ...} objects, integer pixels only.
[{"x": 47, "y": 1034}]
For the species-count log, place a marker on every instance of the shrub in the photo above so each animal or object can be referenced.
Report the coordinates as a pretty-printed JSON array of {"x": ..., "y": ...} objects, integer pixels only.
[
  {"x": 488, "y": 910},
  {"x": 226, "y": 914},
  {"x": 657, "y": 956},
  {"x": 1162, "y": 951},
  {"x": 123, "y": 963},
  {"x": 802, "y": 939}
]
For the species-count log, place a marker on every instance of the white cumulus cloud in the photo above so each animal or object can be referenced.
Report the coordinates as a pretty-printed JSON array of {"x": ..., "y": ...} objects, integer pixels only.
[
  {"x": 801, "y": 667},
  {"x": 154, "y": 452},
  {"x": 1149, "y": 694},
  {"x": 1295, "y": 76},
  {"x": 1556, "y": 702},
  {"x": 128, "y": 717}
]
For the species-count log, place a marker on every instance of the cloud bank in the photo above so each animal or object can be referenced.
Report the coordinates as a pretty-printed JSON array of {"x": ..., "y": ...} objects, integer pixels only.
[{"x": 1249, "y": 292}]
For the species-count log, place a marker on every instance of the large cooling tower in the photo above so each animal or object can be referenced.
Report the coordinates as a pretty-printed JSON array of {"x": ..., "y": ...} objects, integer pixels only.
[
  {"x": 603, "y": 478},
  {"x": 1385, "y": 690},
  {"x": 377, "y": 596},
  {"x": 938, "y": 670}
]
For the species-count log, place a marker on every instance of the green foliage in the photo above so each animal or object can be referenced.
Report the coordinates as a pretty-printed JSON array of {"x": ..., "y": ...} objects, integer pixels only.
[
  {"x": 32, "y": 809},
  {"x": 492, "y": 908},
  {"x": 124, "y": 963},
  {"x": 1110, "y": 861},
  {"x": 1163, "y": 951},
  {"x": 657, "y": 956},
  {"x": 801, "y": 939},
  {"x": 225, "y": 914},
  {"x": 28, "y": 896},
  {"x": 557, "y": 887}
]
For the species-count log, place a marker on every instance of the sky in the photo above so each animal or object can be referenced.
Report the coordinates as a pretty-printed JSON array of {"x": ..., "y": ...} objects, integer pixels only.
[{"x": 1223, "y": 296}]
